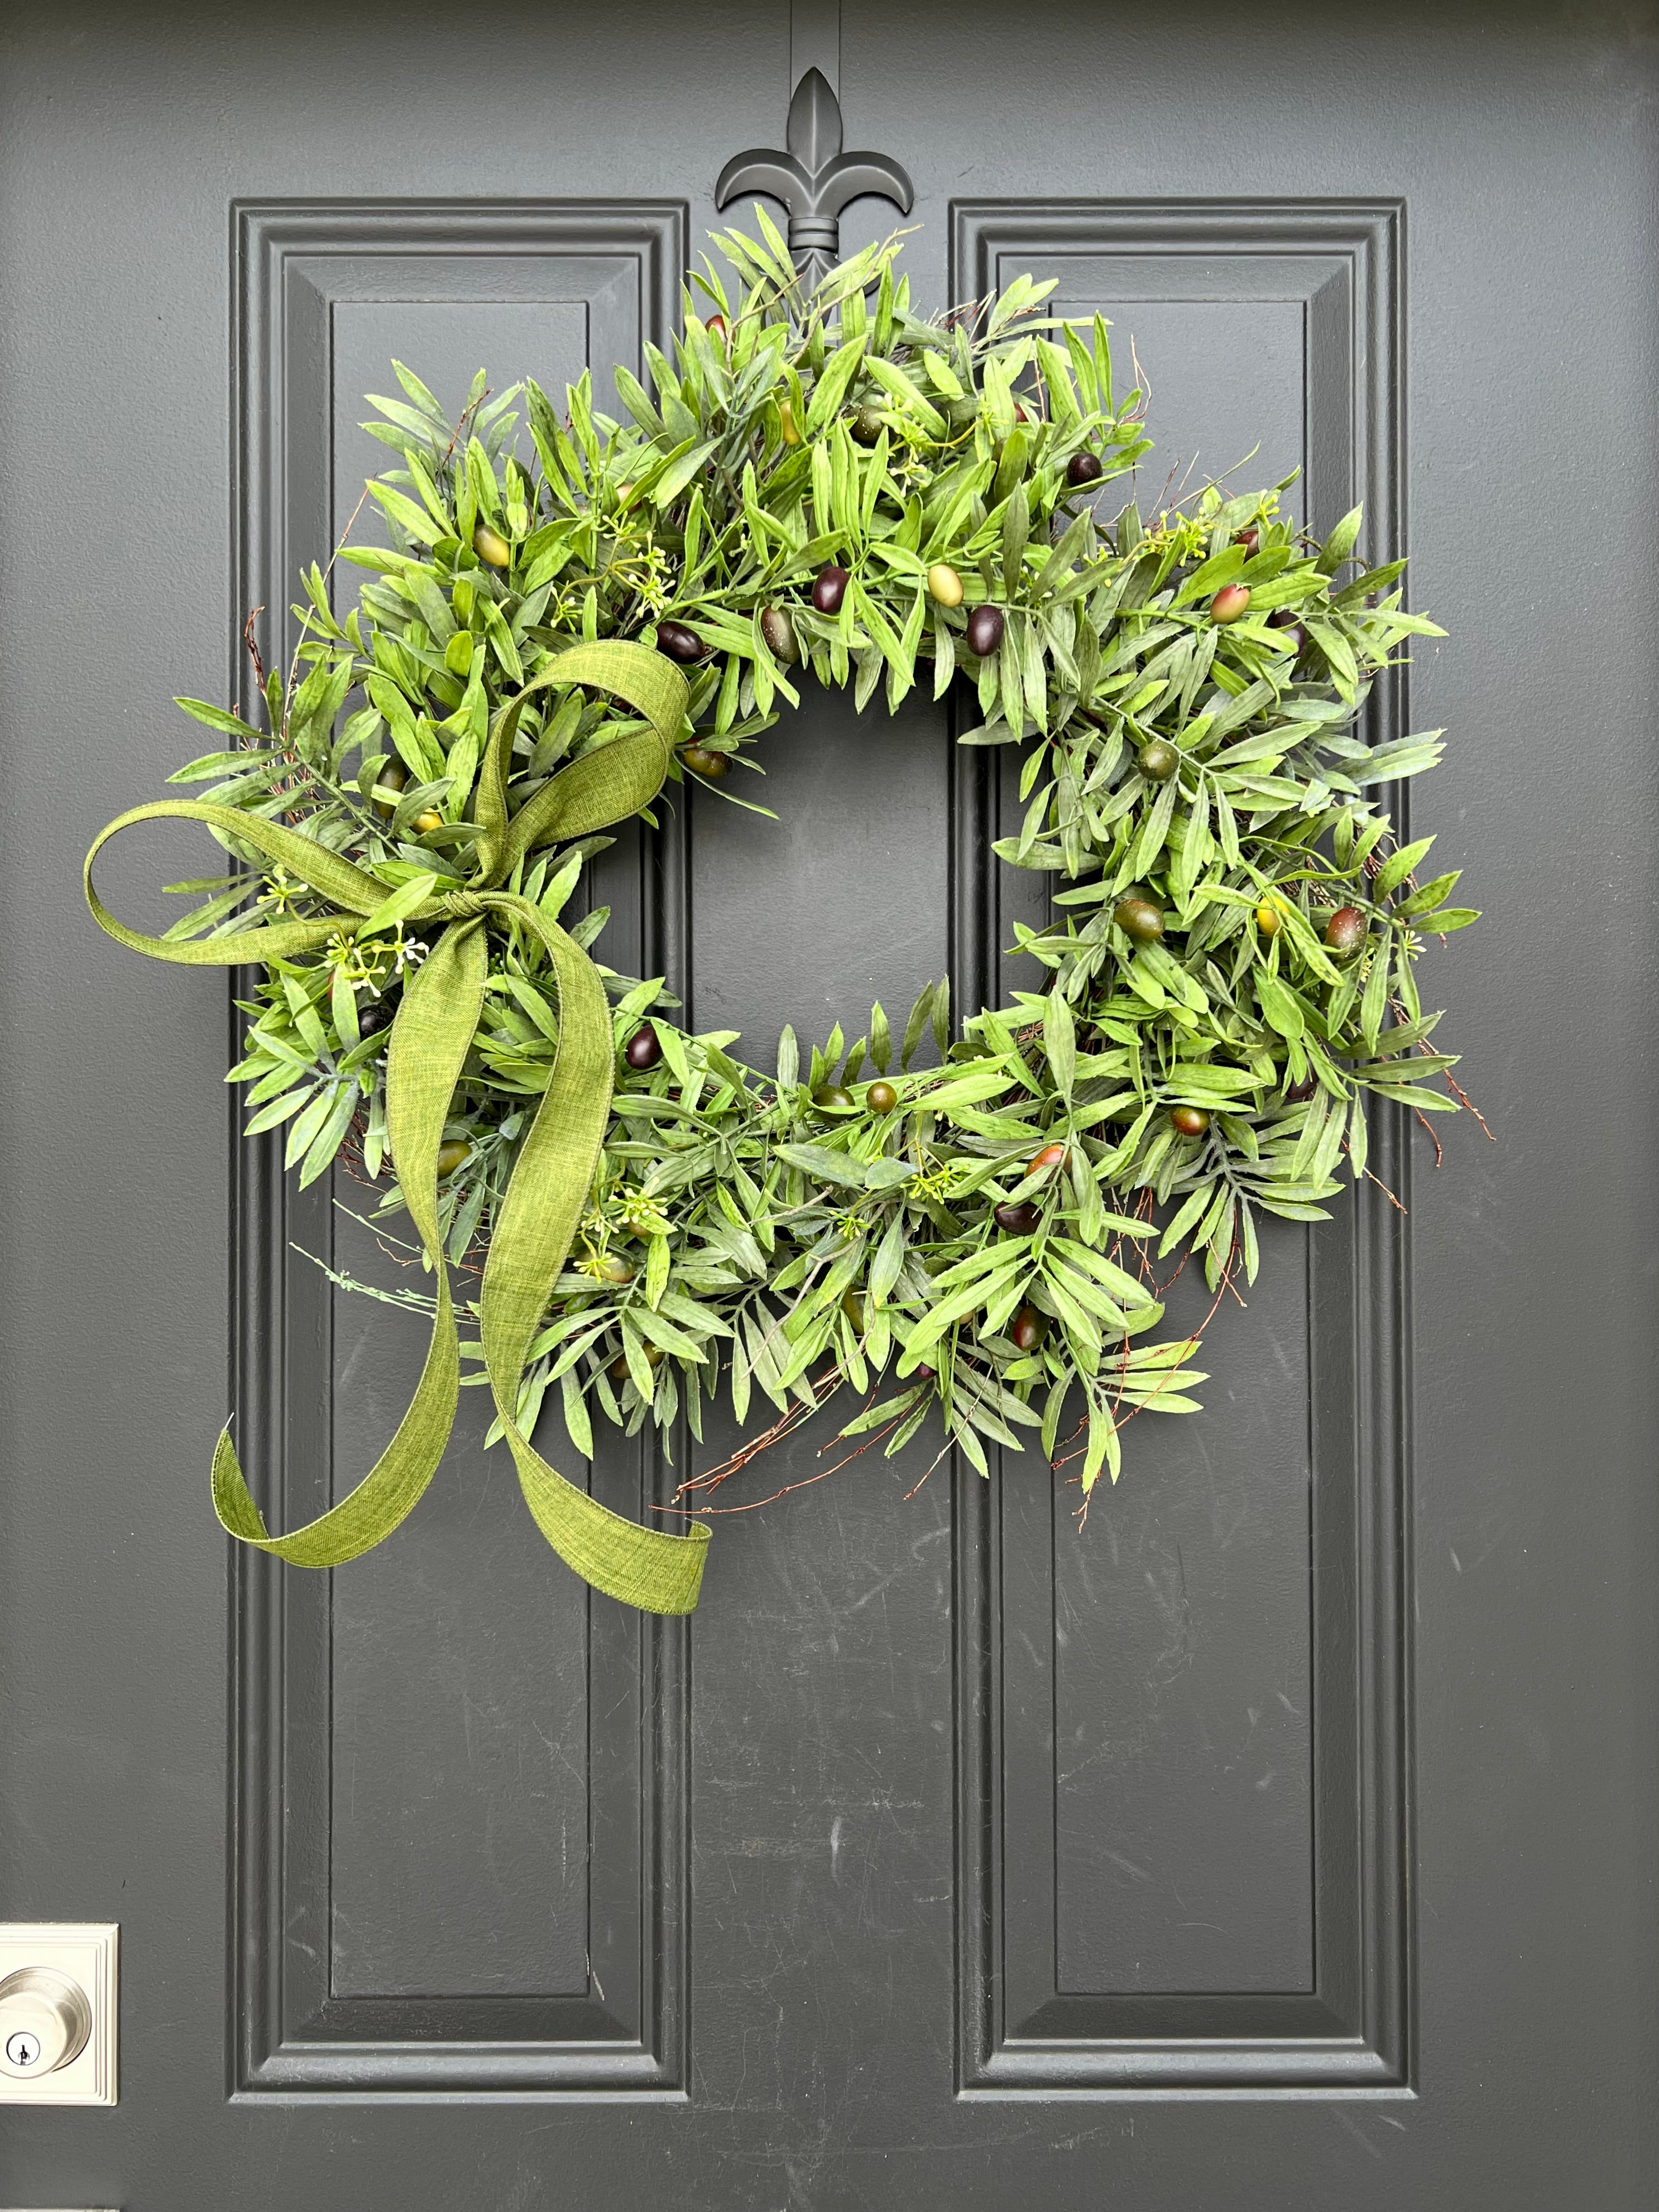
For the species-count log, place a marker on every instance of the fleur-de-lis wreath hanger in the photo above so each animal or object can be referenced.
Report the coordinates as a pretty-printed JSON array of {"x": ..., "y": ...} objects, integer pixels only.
[{"x": 814, "y": 179}]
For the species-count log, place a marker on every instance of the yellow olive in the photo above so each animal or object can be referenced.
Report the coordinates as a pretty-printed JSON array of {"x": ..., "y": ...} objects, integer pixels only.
[
  {"x": 430, "y": 820},
  {"x": 944, "y": 585},
  {"x": 491, "y": 547},
  {"x": 852, "y": 1305},
  {"x": 791, "y": 428},
  {"x": 1268, "y": 920},
  {"x": 450, "y": 1155}
]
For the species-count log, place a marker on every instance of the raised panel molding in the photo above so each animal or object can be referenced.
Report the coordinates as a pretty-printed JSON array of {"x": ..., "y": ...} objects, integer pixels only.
[
  {"x": 619, "y": 265},
  {"x": 1018, "y": 2029}
]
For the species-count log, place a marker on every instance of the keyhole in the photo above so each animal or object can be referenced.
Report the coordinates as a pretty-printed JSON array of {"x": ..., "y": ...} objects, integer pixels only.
[{"x": 22, "y": 2050}]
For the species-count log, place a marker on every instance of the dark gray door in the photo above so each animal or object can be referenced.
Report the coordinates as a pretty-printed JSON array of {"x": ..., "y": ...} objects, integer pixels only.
[{"x": 1287, "y": 1836}]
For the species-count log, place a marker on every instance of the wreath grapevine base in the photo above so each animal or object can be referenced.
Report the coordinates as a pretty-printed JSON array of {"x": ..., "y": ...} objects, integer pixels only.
[{"x": 822, "y": 484}]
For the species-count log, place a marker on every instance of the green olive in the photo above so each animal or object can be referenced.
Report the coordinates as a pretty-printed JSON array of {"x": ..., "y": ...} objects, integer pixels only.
[
  {"x": 452, "y": 1155},
  {"x": 702, "y": 759},
  {"x": 881, "y": 1098},
  {"x": 852, "y": 1305},
  {"x": 1159, "y": 761},
  {"x": 831, "y": 1098},
  {"x": 491, "y": 547},
  {"x": 616, "y": 1269}
]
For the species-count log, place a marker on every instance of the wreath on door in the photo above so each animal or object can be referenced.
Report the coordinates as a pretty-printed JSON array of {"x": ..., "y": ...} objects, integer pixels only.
[{"x": 818, "y": 484}]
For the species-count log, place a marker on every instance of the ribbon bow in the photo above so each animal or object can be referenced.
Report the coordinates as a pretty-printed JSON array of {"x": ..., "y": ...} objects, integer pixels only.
[{"x": 429, "y": 1041}]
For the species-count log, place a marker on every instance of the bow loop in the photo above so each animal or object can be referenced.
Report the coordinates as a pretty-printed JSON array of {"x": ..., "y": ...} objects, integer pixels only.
[{"x": 431, "y": 1037}]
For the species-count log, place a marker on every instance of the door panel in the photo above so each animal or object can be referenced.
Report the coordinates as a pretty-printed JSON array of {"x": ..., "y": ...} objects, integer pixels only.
[{"x": 1283, "y": 1834}]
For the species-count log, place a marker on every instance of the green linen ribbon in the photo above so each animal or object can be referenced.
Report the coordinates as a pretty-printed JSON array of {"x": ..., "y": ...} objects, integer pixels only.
[{"x": 429, "y": 1041}]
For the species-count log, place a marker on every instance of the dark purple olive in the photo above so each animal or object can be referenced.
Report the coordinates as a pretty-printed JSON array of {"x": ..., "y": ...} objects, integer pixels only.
[
  {"x": 379, "y": 1014},
  {"x": 1083, "y": 469},
  {"x": 779, "y": 632},
  {"x": 1027, "y": 1329},
  {"x": 1298, "y": 637},
  {"x": 1344, "y": 933},
  {"x": 678, "y": 642},
  {"x": 829, "y": 590},
  {"x": 924, "y": 1374},
  {"x": 644, "y": 1048},
  {"x": 985, "y": 628},
  {"x": 1159, "y": 761},
  {"x": 1191, "y": 1120},
  {"x": 1139, "y": 918},
  {"x": 1249, "y": 539},
  {"x": 1018, "y": 1220},
  {"x": 1304, "y": 1090}
]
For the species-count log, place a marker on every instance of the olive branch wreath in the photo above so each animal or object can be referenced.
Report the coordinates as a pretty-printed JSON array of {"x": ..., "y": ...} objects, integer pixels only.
[{"x": 817, "y": 483}]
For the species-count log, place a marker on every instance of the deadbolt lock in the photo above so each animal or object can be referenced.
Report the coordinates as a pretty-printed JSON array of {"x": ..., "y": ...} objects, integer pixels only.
[
  {"x": 45, "y": 2022},
  {"x": 57, "y": 2000}
]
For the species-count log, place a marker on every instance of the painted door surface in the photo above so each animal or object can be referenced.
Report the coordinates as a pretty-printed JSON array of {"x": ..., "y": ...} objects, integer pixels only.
[{"x": 1286, "y": 1836}]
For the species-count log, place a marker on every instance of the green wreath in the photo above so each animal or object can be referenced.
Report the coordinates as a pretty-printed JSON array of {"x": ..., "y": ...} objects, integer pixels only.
[{"x": 827, "y": 483}]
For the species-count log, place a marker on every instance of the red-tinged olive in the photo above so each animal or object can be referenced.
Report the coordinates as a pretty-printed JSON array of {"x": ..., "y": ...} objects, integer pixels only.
[
  {"x": 881, "y": 1098},
  {"x": 1051, "y": 1156},
  {"x": 1139, "y": 918},
  {"x": 615, "y": 1269},
  {"x": 453, "y": 1155},
  {"x": 830, "y": 1099},
  {"x": 678, "y": 642},
  {"x": 1191, "y": 1120},
  {"x": 1230, "y": 602},
  {"x": 984, "y": 627},
  {"x": 1157, "y": 760},
  {"x": 1083, "y": 469},
  {"x": 944, "y": 585},
  {"x": 1250, "y": 539},
  {"x": 716, "y": 328},
  {"x": 831, "y": 589},
  {"x": 779, "y": 632},
  {"x": 644, "y": 1048},
  {"x": 1018, "y": 1220},
  {"x": 1344, "y": 933},
  {"x": 491, "y": 547},
  {"x": 1027, "y": 1329},
  {"x": 1300, "y": 1092},
  {"x": 702, "y": 762},
  {"x": 1268, "y": 919},
  {"x": 924, "y": 1373}
]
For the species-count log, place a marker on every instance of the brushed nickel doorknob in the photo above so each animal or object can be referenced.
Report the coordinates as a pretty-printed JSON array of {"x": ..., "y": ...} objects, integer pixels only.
[{"x": 45, "y": 2022}]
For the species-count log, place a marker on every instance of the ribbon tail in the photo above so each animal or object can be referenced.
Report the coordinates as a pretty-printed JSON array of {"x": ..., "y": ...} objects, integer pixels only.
[
  {"x": 649, "y": 1568},
  {"x": 429, "y": 1042}
]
